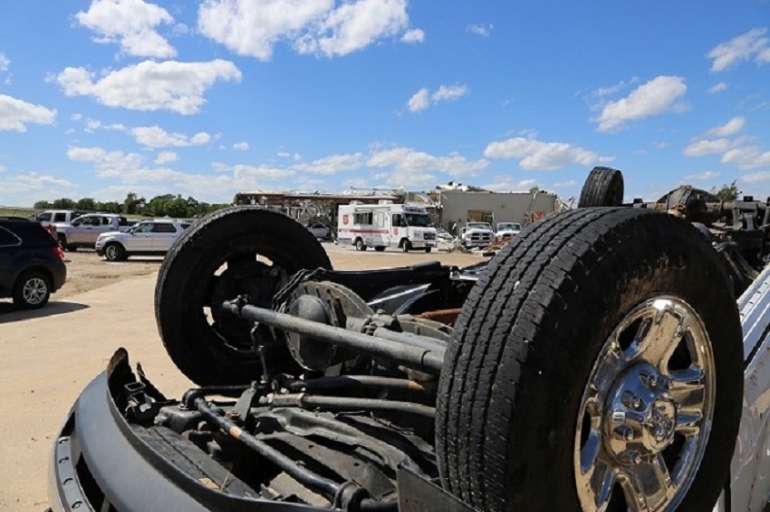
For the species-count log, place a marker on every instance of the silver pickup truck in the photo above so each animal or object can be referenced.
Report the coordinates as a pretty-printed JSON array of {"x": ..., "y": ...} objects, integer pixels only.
[{"x": 83, "y": 231}]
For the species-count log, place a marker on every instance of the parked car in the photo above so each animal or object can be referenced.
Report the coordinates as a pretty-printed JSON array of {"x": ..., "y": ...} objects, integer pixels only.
[
  {"x": 147, "y": 238},
  {"x": 31, "y": 263},
  {"x": 507, "y": 230},
  {"x": 601, "y": 361},
  {"x": 321, "y": 231},
  {"x": 84, "y": 230}
]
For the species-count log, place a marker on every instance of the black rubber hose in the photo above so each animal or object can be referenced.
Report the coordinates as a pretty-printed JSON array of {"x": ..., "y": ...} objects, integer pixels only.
[
  {"x": 360, "y": 381},
  {"x": 306, "y": 477},
  {"x": 349, "y": 404},
  {"x": 370, "y": 505}
]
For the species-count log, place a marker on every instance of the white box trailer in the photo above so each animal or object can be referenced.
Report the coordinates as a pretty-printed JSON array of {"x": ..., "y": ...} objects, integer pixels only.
[{"x": 403, "y": 226}]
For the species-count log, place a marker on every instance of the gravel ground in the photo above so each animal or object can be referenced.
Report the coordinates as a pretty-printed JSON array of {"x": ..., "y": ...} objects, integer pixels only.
[{"x": 48, "y": 356}]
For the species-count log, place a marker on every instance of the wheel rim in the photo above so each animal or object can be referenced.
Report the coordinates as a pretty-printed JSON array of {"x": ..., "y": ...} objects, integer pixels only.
[
  {"x": 646, "y": 411},
  {"x": 112, "y": 252},
  {"x": 34, "y": 291}
]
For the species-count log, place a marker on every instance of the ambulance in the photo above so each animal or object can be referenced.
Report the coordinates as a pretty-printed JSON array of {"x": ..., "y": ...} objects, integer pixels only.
[{"x": 401, "y": 226}]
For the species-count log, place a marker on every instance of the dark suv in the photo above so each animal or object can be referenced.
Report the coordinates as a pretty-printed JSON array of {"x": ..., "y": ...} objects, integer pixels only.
[{"x": 31, "y": 263}]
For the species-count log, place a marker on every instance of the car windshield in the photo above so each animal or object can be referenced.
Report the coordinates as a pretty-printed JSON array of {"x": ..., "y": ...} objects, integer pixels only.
[
  {"x": 480, "y": 225},
  {"x": 420, "y": 220},
  {"x": 511, "y": 226}
]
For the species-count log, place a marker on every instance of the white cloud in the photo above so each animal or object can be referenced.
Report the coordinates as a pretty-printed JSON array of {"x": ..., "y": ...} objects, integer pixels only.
[
  {"x": 166, "y": 157},
  {"x": 506, "y": 184},
  {"x": 250, "y": 172},
  {"x": 565, "y": 184},
  {"x": 757, "y": 177},
  {"x": 157, "y": 137},
  {"x": 310, "y": 26},
  {"x": 419, "y": 101},
  {"x": 715, "y": 140},
  {"x": 130, "y": 23},
  {"x": 749, "y": 157},
  {"x": 741, "y": 48},
  {"x": 718, "y": 87},
  {"x": 732, "y": 127},
  {"x": 25, "y": 189},
  {"x": 613, "y": 89},
  {"x": 108, "y": 163},
  {"x": 423, "y": 98},
  {"x": 15, "y": 114},
  {"x": 408, "y": 161},
  {"x": 702, "y": 176},
  {"x": 657, "y": 96},
  {"x": 413, "y": 36},
  {"x": 480, "y": 30},
  {"x": 241, "y": 146},
  {"x": 333, "y": 164},
  {"x": 285, "y": 154},
  {"x": 356, "y": 183},
  {"x": 536, "y": 155},
  {"x": 707, "y": 147},
  {"x": 169, "y": 85},
  {"x": 4, "y": 62}
]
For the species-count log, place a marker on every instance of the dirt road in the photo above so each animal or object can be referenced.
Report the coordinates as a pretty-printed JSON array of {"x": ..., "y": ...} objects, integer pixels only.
[{"x": 48, "y": 356}]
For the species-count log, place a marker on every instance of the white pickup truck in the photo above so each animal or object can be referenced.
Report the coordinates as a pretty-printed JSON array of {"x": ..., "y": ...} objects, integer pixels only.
[
  {"x": 147, "y": 238},
  {"x": 506, "y": 230},
  {"x": 477, "y": 234},
  {"x": 84, "y": 230}
]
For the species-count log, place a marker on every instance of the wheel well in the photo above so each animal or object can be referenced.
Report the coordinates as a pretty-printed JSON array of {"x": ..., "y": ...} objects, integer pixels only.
[{"x": 42, "y": 270}]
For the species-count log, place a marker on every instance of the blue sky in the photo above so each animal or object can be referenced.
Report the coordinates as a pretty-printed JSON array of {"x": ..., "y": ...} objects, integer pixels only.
[{"x": 102, "y": 97}]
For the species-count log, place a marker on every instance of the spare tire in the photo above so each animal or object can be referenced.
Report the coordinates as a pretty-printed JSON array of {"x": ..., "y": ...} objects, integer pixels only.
[
  {"x": 597, "y": 365},
  {"x": 238, "y": 250},
  {"x": 603, "y": 187}
]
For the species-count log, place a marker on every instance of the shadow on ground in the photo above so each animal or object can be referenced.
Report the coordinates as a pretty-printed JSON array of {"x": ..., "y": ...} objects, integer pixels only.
[{"x": 10, "y": 313}]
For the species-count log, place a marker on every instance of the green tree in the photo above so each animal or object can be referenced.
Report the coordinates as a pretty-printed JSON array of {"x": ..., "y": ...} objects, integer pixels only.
[
  {"x": 42, "y": 205},
  {"x": 157, "y": 206},
  {"x": 133, "y": 204},
  {"x": 534, "y": 190},
  {"x": 177, "y": 208},
  {"x": 87, "y": 203},
  {"x": 727, "y": 192},
  {"x": 110, "y": 207},
  {"x": 63, "y": 203}
]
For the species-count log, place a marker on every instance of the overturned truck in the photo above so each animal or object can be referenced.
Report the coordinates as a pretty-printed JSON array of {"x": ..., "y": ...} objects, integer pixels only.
[{"x": 597, "y": 363}]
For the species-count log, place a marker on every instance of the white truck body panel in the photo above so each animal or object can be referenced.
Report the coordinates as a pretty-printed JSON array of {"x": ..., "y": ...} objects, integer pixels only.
[
  {"x": 385, "y": 225},
  {"x": 750, "y": 468}
]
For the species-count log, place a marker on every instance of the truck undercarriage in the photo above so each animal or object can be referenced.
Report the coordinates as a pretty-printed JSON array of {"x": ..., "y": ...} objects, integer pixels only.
[{"x": 589, "y": 366}]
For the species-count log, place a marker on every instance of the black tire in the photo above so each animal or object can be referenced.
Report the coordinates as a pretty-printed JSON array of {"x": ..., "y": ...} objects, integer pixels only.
[
  {"x": 360, "y": 246},
  {"x": 63, "y": 242},
  {"x": 406, "y": 245},
  {"x": 32, "y": 290},
  {"x": 379, "y": 248},
  {"x": 527, "y": 343},
  {"x": 427, "y": 249},
  {"x": 603, "y": 187},
  {"x": 216, "y": 260},
  {"x": 114, "y": 252}
]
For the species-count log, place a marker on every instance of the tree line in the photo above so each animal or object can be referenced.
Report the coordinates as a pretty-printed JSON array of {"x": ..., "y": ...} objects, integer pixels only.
[{"x": 159, "y": 206}]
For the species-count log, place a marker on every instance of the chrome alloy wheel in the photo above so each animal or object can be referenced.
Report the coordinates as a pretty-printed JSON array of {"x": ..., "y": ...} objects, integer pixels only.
[
  {"x": 111, "y": 252},
  {"x": 34, "y": 291},
  {"x": 646, "y": 411}
]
